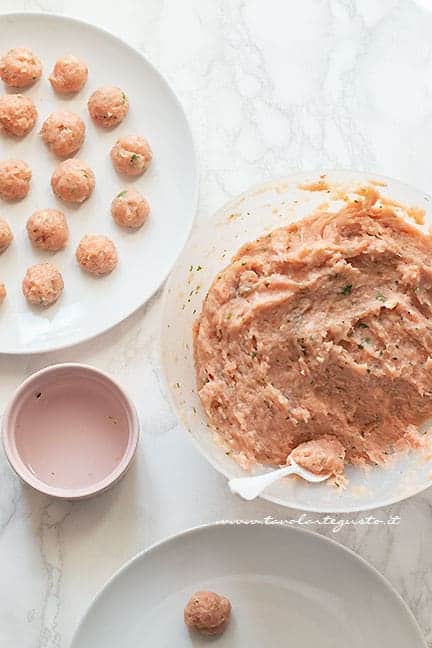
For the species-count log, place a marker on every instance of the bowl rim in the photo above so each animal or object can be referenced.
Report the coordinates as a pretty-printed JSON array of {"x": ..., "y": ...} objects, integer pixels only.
[
  {"x": 294, "y": 176},
  {"x": 18, "y": 465}
]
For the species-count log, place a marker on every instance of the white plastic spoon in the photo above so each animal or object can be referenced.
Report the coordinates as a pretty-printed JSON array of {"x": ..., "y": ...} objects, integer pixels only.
[{"x": 251, "y": 487}]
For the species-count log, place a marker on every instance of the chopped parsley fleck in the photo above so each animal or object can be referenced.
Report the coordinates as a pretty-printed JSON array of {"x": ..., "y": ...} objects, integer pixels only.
[
  {"x": 190, "y": 270},
  {"x": 228, "y": 452},
  {"x": 346, "y": 290},
  {"x": 367, "y": 340},
  {"x": 380, "y": 297},
  {"x": 229, "y": 316},
  {"x": 363, "y": 325},
  {"x": 199, "y": 268},
  {"x": 360, "y": 346},
  {"x": 254, "y": 354},
  {"x": 122, "y": 193},
  {"x": 134, "y": 158}
]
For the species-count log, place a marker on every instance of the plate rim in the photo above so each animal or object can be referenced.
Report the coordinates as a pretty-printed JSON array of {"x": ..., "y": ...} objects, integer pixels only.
[
  {"x": 194, "y": 150},
  {"x": 318, "y": 537},
  {"x": 297, "y": 175}
]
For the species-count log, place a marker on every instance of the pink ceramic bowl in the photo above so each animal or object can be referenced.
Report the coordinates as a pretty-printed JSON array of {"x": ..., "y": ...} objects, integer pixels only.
[{"x": 70, "y": 431}]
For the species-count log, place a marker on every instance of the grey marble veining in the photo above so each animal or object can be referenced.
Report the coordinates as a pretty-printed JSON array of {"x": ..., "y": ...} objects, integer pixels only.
[{"x": 269, "y": 88}]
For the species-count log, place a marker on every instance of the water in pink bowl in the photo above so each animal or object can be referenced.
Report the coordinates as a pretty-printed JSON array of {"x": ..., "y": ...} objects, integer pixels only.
[{"x": 71, "y": 431}]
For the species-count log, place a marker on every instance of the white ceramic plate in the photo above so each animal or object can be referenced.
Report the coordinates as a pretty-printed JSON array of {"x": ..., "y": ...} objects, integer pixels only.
[
  {"x": 90, "y": 306},
  {"x": 210, "y": 249},
  {"x": 287, "y": 587}
]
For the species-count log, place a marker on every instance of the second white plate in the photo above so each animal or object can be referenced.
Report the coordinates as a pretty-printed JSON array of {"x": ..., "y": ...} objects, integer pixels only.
[{"x": 287, "y": 588}]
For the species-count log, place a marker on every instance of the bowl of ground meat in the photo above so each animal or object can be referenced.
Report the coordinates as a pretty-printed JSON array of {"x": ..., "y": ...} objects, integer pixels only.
[{"x": 301, "y": 316}]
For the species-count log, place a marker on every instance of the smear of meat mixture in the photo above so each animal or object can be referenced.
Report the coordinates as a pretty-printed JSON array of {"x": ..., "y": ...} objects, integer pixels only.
[
  {"x": 321, "y": 328},
  {"x": 323, "y": 456}
]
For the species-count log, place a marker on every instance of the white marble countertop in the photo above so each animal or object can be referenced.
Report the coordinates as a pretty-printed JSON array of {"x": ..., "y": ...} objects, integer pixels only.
[{"x": 269, "y": 88}]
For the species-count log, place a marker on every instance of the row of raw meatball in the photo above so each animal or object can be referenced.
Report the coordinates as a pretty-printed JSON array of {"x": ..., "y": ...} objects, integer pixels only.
[
  {"x": 48, "y": 230},
  {"x": 64, "y": 132},
  {"x": 21, "y": 68},
  {"x": 107, "y": 106},
  {"x": 43, "y": 283},
  {"x": 73, "y": 180}
]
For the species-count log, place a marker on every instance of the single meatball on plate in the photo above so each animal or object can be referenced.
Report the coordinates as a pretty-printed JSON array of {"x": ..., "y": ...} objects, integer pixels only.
[
  {"x": 69, "y": 75},
  {"x": 73, "y": 181},
  {"x": 108, "y": 106},
  {"x": 15, "y": 176},
  {"x": 18, "y": 114},
  {"x": 47, "y": 229},
  {"x": 131, "y": 155},
  {"x": 6, "y": 236},
  {"x": 208, "y": 613},
  {"x": 130, "y": 209},
  {"x": 63, "y": 132},
  {"x": 42, "y": 284},
  {"x": 20, "y": 68},
  {"x": 96, "y": 254}
]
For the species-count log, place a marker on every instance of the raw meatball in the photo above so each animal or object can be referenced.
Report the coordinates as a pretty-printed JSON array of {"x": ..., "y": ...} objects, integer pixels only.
[
  {"x": 322, "y": 456},
  {"x": 19, "y": 67},
  {"x": 18, "y": 114},
  {"x": 2, "y": 292},
  {"x": 207, "y": 613},
  {"x": 130, "y": 209},
  {"x": 47, "y": 229},
  {"x": 73, "y": 181},
  {"x": 15, "y": 176},
  {"x": 6, "y": 236},
  {"x": 69, "y": 75},
  {"x": 42, "y": 284},
  {"x": 64, "y": 133},
  {"x": 131, "y": 155},
  {"x": 108, "y": 106},
  {"x": 96, "y": 254}
]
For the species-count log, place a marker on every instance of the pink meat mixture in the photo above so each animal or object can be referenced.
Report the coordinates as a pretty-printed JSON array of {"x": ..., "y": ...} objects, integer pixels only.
[{"x": 321, "y": 328}]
